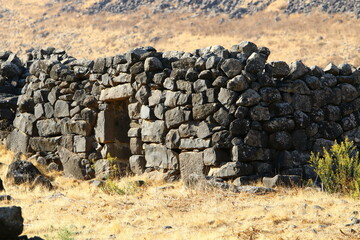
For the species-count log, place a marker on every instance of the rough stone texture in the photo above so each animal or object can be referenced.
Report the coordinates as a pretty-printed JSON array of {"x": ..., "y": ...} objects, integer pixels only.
[
  {"x": 231, "y": 104},
  {"x": 72, "y": 164},
  {"x": 233, "y": 170},
  {"x": 282, "y": 180},
  {"x": 118, "y": 93},
  {"x": 137, "y": 164},
  {"x": 11, "y": 222},
  {"x": 22, "y": 171},
  {"x": 191, "y": 163},
  {"x": 159, "y": 156}
]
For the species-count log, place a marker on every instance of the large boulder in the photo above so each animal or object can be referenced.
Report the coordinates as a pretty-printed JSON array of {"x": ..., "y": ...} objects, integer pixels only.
[
  {"x": 11, "y": 223},
  {"x": 22, "y": 171},
  {"x": 73, "y": 165}
]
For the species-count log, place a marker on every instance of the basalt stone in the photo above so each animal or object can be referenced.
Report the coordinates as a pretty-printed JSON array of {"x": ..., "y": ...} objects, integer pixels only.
[
  {"x": 320, "y": 144},
  {"x": 332, "y": 113},
  {"x": 176, "y": 116},
  {"x": 201, "y": 85},
  {"x": 256, "y": 138},
  {"x": 223, "y": 117},
  {"x": 245, "y": 47},
  {"x": 302, "y": 120},
  {"x": 328, "y": 80},
  {"x": 243, "y": 153},
  {"x": 301, "y": 102},
  {"x": 172, "y": 140},
  {"x": 233, "y": 170},
  {"x": 239, "y": 127},
  {"x": 282, "y": 180},
  {"x": 17, "y": 141},
  {"x": 184, "y": 63},
  {"x": 259, "y": 113},
  {"x": 238, "y": 84},
  {"x": 280, "y": 69},
  {"x": 61, "y": 109},
  {"x": 332, "y": 69},
  {"x": 137, "y": 164},
  {"x": 348, "y": 92},
  {"x": 153, "y": 131},
  {"x": 227, "y": 97},
  {"x": 248, "y": 98},
  {"x": 136, "y": 146},
  {"x": 201, "y": 112},
  {"x": 215, "y": 156},
  {"x": 212, "y": 62},
  {"x": 241, "y": 112},
  {"x": 11, "y": 222},
  {"x": 188, "y": 130},
  {"x": 194, "y": 143},
  {"x": 270, "y": 95},
  {"x": 313, "y": 82},
  {"x": 72, "y": 164},
  {"x": 22, "y": 171},
  {"x": 152, "y": 64},
  {"x": 220, "y": 81},
  {"x": 231, "y": 67},
  {"x": 26, "y": 123},
  {"x": 330, "y": 130},
  {"x": 118, "y": 93},
  {"x": 279, "y": 124},
  {"x": 99, "y": 65},
  {"x": 83, "y": 144},
  {"x": 143, "y": 94},
  {"x": 158, "y": 156},
  {"x": 255, "y": 63},
  {"x": 137, "y": 68},
  {"x": 191, "y": 163},
  {"x": 280, "y": 140},
  {"x": 48, "y": 128},
  {"x": 297, "y": 70},
  {"x": 40, "y": 144}
]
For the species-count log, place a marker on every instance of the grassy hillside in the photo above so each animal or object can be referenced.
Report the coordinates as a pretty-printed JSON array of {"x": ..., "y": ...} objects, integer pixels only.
[{"x": 317, "y": 38}]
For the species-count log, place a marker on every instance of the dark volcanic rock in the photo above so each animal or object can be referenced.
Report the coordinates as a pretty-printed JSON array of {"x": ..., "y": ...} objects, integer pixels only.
[
  {"x": 22, "y": 171},
  {"x": 11, "y": 223}
]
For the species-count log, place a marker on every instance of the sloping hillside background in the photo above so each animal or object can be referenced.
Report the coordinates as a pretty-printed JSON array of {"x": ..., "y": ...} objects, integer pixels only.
[{"x": 318, "y": 32}]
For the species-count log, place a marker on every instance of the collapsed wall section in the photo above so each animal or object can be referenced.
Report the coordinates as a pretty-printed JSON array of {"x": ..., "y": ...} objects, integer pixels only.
[{"x": 224, "y": 113}]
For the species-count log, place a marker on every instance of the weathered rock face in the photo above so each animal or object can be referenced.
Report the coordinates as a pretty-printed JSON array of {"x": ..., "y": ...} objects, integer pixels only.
[
  {"x": 22, "y": 171},
  {"x": 11, "y": 223},
  {"x": 185, "y": 113}
]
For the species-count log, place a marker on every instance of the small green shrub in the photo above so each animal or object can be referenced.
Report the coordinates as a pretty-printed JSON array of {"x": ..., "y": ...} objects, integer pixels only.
[
  {"x": 339, "y": 168},
  {"x": 125, "y": 188},
  {"x": 64, "y": 233}
]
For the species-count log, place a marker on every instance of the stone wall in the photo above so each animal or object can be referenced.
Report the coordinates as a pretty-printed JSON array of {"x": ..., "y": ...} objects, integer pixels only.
[{"x": 224, "y": 113}]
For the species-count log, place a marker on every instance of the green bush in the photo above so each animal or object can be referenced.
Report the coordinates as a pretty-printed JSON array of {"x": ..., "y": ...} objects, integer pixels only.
[
  {"x": 339, "y": 168},
  {"x": 64, "y": 233}
]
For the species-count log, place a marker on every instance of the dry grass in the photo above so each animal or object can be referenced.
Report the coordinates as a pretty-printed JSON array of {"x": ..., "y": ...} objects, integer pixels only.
[
  {"x": 316, "y": 39},
  {"x": 192, "y": 214}
]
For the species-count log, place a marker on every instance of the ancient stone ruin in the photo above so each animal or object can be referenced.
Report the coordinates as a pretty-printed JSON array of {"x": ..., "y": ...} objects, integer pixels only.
[{"x": 218, "y": 112}]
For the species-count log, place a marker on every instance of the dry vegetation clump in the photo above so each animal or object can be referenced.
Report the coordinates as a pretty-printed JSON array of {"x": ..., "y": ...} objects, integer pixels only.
[{"x": 158, "y": 210}]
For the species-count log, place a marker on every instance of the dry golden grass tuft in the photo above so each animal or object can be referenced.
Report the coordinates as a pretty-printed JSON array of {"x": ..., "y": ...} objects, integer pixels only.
[
  {"x": 315, "y": 38},
  {"x": 85, "y": 212}
]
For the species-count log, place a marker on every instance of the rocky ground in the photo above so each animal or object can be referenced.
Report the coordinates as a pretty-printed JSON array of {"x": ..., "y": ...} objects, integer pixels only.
[
  {"x": 83, "y": 210},
  {"x": 233, "y": 8}
]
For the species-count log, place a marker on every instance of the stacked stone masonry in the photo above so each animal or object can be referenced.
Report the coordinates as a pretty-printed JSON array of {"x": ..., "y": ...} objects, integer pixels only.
[{"x": 225, "y": 113}]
